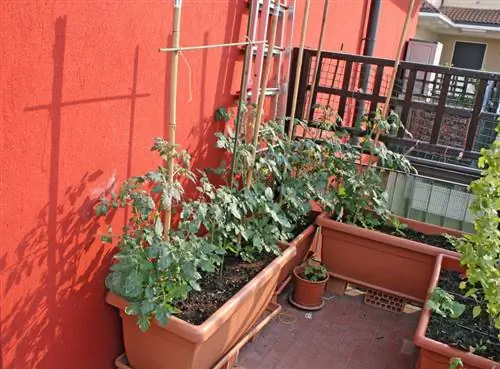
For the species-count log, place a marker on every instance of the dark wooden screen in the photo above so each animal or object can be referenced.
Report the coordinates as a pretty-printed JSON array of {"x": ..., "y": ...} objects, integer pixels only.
[{"x": 450, "y": 112}]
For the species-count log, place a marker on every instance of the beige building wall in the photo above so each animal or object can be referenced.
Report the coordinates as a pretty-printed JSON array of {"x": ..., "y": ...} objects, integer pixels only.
[
  {"x": 491, "y": 59},
  {"x": 426, "y": 34},
  {"x": 476, "y": 4}
]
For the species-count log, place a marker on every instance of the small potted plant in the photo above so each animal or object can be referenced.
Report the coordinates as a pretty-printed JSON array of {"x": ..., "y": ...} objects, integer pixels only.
[{"x": 311, "y": 278}]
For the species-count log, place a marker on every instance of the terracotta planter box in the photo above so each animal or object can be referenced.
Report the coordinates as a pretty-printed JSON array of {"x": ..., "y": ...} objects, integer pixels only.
[
  {"x": 181, "y": 345},
  {"x": 380, "y": 261},
  {"x": 437, "y": 355}
]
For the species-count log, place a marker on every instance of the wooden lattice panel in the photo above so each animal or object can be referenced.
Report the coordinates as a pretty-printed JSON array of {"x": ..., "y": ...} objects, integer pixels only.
[{"x": 384, "y": 301}]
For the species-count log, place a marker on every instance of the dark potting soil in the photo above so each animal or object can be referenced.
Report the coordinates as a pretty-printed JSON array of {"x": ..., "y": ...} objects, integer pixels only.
[
  {"x": 466, "y": 332},
  {"x": 410, "y": 234},
  {"x": 217, "y": 288}
]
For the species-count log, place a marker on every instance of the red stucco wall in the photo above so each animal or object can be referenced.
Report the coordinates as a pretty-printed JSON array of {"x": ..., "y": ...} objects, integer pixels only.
[{"x": 84, "y": 91}]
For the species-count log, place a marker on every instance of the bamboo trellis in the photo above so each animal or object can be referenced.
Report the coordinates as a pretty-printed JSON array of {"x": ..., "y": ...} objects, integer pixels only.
[
  {"x": 176, "y": 49},
  {"x": 260, "y": 105},
  {"x": 392, "y": 82},
  {"x": 318, "y": 58},
  {"x": 176, "y": 31},
  {"x": 244, "y": 85},
  {"x": 299, "y": 68}
]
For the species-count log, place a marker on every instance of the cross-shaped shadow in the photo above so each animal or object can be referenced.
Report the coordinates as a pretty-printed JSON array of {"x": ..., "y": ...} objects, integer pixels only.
[{"x": 56, "y": 254}]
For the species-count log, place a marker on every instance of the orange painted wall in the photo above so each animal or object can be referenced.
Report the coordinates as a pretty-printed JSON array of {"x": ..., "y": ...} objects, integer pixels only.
[{"x": 84, "y": 91}]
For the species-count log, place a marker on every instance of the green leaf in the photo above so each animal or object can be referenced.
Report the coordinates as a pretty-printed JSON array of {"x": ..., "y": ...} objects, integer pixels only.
[
  {"x": 165, "y": 260},
  {"x": 119, "y": 267},
  {"x": 155, "y": 177},
  {"x": 342, "y": 191},
  {"x": 158, "y": 188},
  {"x": 234, "y": 210},
  {"x": 105, "y": 238},
  {"x": 462, "y": 285},
  {"x": 284, "y": 221},
  {"x": 456, "y": 363},
  {"x": 144, "y": 323},
  {"x": 133, "y": 309},
  {"x": 222, "y": 115},
  {"x": 188, "y": 270},
  {"x": 476, "y": 311},
  {"x": 162, "y": 313},
  {"x": 481, "y": 162},
  {"x": 102, "y": 209},
  {"x": 257, "y": 242},
  {"x": 457, "y": 310},
  {"x": 269, "y": 194},
  {"x": 146, "y": 307},
  {"x": 194, "y": 285},
  {"x": 158, "y": 227},
  {"x": 431, "y": 305}
]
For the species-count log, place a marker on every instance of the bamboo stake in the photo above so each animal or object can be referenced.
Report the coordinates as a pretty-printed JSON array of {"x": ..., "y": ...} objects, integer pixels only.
[
  {"x": 243, "y": 95},
  {"x": 398, "y": 59},
  {"x": 298, "y": 69},
  {"x": 260, "y": 103},
  {"x": 398, "y": 56},
  {"x": 318, "y": 59},
  {"x": 395, "y": 70},
  {"x": 173, "y": 106},
  {"x": 202, "y": 47}
]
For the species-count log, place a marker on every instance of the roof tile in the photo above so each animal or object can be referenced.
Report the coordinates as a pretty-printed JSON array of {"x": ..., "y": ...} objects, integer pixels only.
[
  {"x": 486, "y": 17},
  {"x": 427, "y": 7},
  {"x": 472, "y": 16}
]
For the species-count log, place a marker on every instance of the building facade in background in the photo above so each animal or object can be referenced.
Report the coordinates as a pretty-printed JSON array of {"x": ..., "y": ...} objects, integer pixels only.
[{"x": 469, "y": 31}]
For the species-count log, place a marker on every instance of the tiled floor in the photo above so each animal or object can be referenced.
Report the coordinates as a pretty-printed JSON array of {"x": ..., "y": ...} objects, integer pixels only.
[{"x": 346, "y": 334}]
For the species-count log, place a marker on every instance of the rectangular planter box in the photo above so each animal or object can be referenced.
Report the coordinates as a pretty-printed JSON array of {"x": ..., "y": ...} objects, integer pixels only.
[
  {"x": 231, "y": 358},
  {"x": 380, "y": 261},
  {"x": 437, "y": 355},
  {"x": 181, "y": 345}
]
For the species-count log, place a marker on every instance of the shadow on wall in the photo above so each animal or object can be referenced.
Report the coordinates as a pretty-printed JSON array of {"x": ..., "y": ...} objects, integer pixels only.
[
  {"x": 50, "y": 322},
  {"x": 201, "y": 138},
  {"x": 61, "y": 319}
]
